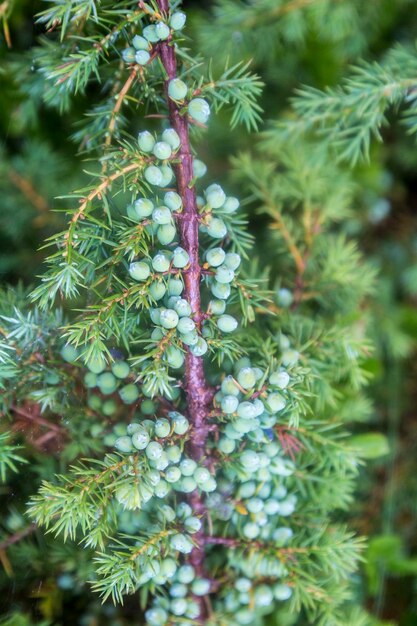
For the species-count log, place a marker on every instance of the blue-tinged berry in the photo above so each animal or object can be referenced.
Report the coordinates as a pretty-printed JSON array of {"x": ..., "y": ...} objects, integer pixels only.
[
  {"x": 229, "y": 404},
  {"x": 215, "y": 257},
  {"x": 162, "y": 427},
  {"x": 173, "y": 200},
  {"x": 220, "y": 290},
  {"x": 199, "y": 110},
  {"x": 285, "y": 298},
  {"x": 232, "y": 260},
  {"x": 70, "y": 353},
  {"x": 177, "y": 89},
  {"x": 166, "y": 234},
  {"x": 216, "y": 228},
  {"x": 177, "y": 20},
  {"x": 128, "y": 55},
  {"x": 167, "y": 175},
  {"x": 200, "y": 586},
  {"x": 146, "y": 141},
  {"x": 161, "y": 262},
  {"x": 275, "y": 402},
  {"x": 162, "y": 150},
  {"x": 153, "y": 451},
  {"x": 156, "y": 617},
  {"x": 230, "y": 205},
  {"x": 180, "y": 423},
  {"x": 162, "y": 30},
  {"x": 282, "y": 592},
  {"x": 181, "y": 543},
  {"x": 215, "y": 196},
  {"x": 188, "y": 467},
  {"x": 150, "y": 33},
  {"x": 190, "y": 339},
  {"x": 224, "y": 274},
  {"x": 246, "y": 377},
  {"x": 142, "y": 57},
  {"x": 174, "y": 454},
  {"x": 157, "y": 290},
  {"x": 226, "y": 445},
  {"x": 162, "y": 489},
  {"x": 162, "y": 215},
  {"x": 172, "y": 138},
  {"x": 169, "y": 318},
  {"x": 199, "y": 348},
  {"x": 182, "y": 307},
  {"x": 140, "y": 438},
  {"x": 216, "y": 307},
  {"x": 172, "y": 474},
  {"x": 186, "y": 325},
  {"x": 174, "y": 357},
  {"x": 279, "y": 379}
]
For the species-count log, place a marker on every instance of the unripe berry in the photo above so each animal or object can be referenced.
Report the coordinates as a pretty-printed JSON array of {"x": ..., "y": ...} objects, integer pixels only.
[
  {"x": 173, "y": 200},
  {"x": 162, "y": 150},
  {"x": 186, "y": 574},
  {"x": 180, "y": 423},
  {"x": 177, "y": 20},
  {"x": 199, "y": 168},
  {"x": 169, "y": 318},
  {"x": 133, "y": 427},
  {"x": 215, "y": 196},
  {"x": 230, "y": 205},
  {"x": 279, "y": 379},
  {"x": 174, "y": 454},
  {"x": 282, "y": 592},
  {"x": 140, "y": 439},
  {"x": 70, "y": 353},
  {"x": 220, "y": 290},
  {"x": 275, "y": 402},
  {"x": 243, "y": 585},
  {"x": 129, "y": 393},
  {"x": 107, "y": 383},
  {"x": 162, "y": 427},
  {"x": 146, "y": 141},
  {"x": 229, "y": 386},
  {"x": 180, "y": 258},
  {"x": 162, "y": 489},
  {"x": 224, "y": 274},
  {"x": 182, "y": 307},
  {"x": 246, "y": 410},
  {"x": 149, "y": 32},
  {"x": 168, "y": 567},
  {"x": 90, "y": 380},
  {"x": 201, "y": 475},
  {"x": 140, "y": 43},
  {"x": 249, "y": 460},
  {"x": 120, "y": 369},
  {"x": 139, "y": 270},
  {"x": 175, "y": 287},
  {"x": 157, "y": 290},
  {"x": 186, "y": 325},
  {"x": 162, "y": 215},
  {"x": 229, "y": 404},
  {"x": 156, "y": 617},
  {"x": 123, "y": 444},
  {"x": 181, "y": 543},
  {"x": 227, "y": 323},
  {"x": 232, "y": 260},
  {"x": 209, "y": 486},
  {"x": 200, "y": 587},
  {"x": 226, "y": 445},
  {"x": 216, "y": 307},
  {"x": 160, "y": 262},
  {"x": 153, "y": 175},
  {"x": 215, "y": 257},
  {"x": 167, "y": 175},
  {"x": 199, "y": 110},
  {"x": 246, "y": 377},
  {"x": 216, "y": 228},
  {"x": 190, "y": 339},
  {"x": 187, "y": 484},
  {"x": 166, "y": 234},
  {"x": 162, "y": 30},
  {"x": 153, "y": 450},
  {"x": 200, "y": 348},
  {"x": 174, "y": 357},
  {"x": 188, "y": 467},
  {"x": 142, "y": 57},
  {"x": 177, "y": 89},
  {"x": 173, "y": 474},
  {"x": 251, "y": 530},
  {"x": 128, "y": 55},
  {"x": 172, "y": 138},
  {"x": 178, "y": 590},
  {"x": 285, "y": 298}
]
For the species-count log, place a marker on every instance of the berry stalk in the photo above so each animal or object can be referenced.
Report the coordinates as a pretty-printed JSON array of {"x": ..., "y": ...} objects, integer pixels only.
[{"x": 199, "y": 394}]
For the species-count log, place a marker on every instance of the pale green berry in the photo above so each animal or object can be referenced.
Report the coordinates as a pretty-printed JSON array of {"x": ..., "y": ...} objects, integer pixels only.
[
  {"x": 186, "y": 325},
  {"x": 263, "y": 596},
  {"x": 279, "y": 379},
  {"x": 153, "y": 175},
  {"x": 174, "y": 454},
  {"x": 129, "y": 393},
  {"x": 109, "y": 407},
  {"x": 188, "y": 467},
  {"x": 142, "y": 57},
  {"x": 215, "y": 257},
  {"x": 224, "y": 274},
  {"x": 162, "y": 150},
  {"x": 215, "y": 196},
  {"x": 94, "y": 402},
  {"x": 285, "y": 298},
  {"x": 226, "y": 445},
  {"x": 172, "y": 138},
  {"x": 249, "y": 460},
  {"x": 282, "y": 535},
  {"x": 173, "y": 200},
  {"x": 245, "y": 425},
  {"x": 282, "y": 592},
  {"x": 157, "y": 334},
  {"x": 172, "y": 301},
  {"x": 290, "y": 357},
  {"x": 166, "y": 234},
  {"x": 275, "y": 402},
  {"x": 178, "y": 590},
  {"x": 174, "y": 357},
  {"x": 149, "y": 32},
  {"x": 201, "y": 475},
  {"x": 180, "y": 424},
  {"x": 229, "y": 404},
  {"x": 139, "y": 270},
  {"x": 190, "y": 339},
  {"x": 243, "y": 585},
  {"x": 251, "y": 530},
  {"x": 200, "y": 586},
  {"x": 216, "y": 228},
  {"x": 227, "y": 323},
  {"x": 162, "y": 215},
  {"x": 246, "y": 377},
  {"x": 187, "y": 484},
  {"x": 128, "y": 55},
  {"x": 179, "y": 605},
  {"x": 162, "y": 489},
  {"x": 146, "y": 141},
  {"x": 169, "y": 318},
  {"x": 209, "y": 486},
  {"x": 140, "y": 43},
  {"x": 140, "y": 438},
  {"x": 161, "y": 262},
  {"x": 153, "y": 451},
  {"x": 120, "y": 369},
  {"x": 181, "y": 543},
  {"x": 70, "y": 353},
  {"x": 157, "y": 290},
  {"x": 90, "y": 380},
  {"x": 199, "y": 348},
  {"x": 232, "y": 260},
  {"x": 173, "y": 474},
  {"x": 193, "y": 610},
  {"x": 216, "y": 307},
  {"x": 167, "y": 175},
  {"x": 271, "y": 507},
  {"x": 155, "y": 315},
  {"x": 182, "y": 307},
  {"x": 162, "y": 30},
  {"x": 254, "y": 505},
  {"x": 168, "y": 567},
  {"x": 175, "y": 287},
  {"x": 199, "y": 168},
  {"x": 156, "y": 616},
  {"x": 186, "y": 574},
  {"x": 177, "y": 89},
  {"x": 229, "y": 386},
  {"x": 220, "y": 290},
  {"x": 180, "y": 258},
  {"x": 230, "y": 205},
  {"x": 107, "y": 383},
  {"x": 246, "y": 410},
  {"x": 143, "y": 207},
  {"x": 148, "y": 407},
  {"x": 177, "y": 20},
  {"x": 162, "y": 427},
  {"x": 123, "y": 444},
  {"x": 199, "y": 110}
]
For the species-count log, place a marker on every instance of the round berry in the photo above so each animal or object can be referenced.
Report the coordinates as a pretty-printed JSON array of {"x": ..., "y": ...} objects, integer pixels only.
[
  {"x": 156, "y": 616},
  {"x": 70, "y": 353},
  {"x": 199, "y": 348},
  {"x": 172, "y": 138},
  {"x": 107, "y": 383},
  {"x": 120, "y": 369},
  {"x": 229, "y": 404},
  {"x": 246, "y": 377},
  {"x": 140, "y": 438},
  {"x": 216, "y": 307},
  {"x": 215, "y": 257},
  {"x": 162, "y": 215},
  {"x": 230, "y": 205},
  {"x": 169, "y": 318},
  {"x": 226, "y": 445},
  {"x": 220, "y": 290},
  {"x": 142, "y": 57},
  {"x": 174, "y": 454},
  {"x": 282, "y": 592},
  {"x": 123, "y": 444},
  {"x": 227, "y": 323},
  {"x": 182, "y": 307},
  {"x": 129, "y": 393},
  {"x": 139, "y": 270},
  {"x": 173, "y": 200},
  {"x": 180, "y": 423},
  {"x": 199, "y": 110},
  {"x": 186, "y": 325},
  {"x": 162, "y": 427},
  {"x": 161, "y": 262},
  {"x": 174, "y": 357},
  {"x": 200, "y": 586},
  {"x": 177, "y": 89},
  {"x": 149, "y": 32},
  {"x": 128, "y": 55},
  {"x": 279, "y": 379},
  {"x": 153, "y": 451},
  {"x": 167, "y": 175},
  {"x": 162, "y": 150},
  {"x": 162, "y": 30},
  {"x": 162, "y": 489},
  {"x": 188, "y": 467},
  {"x": 215, "y": 196},
  {"x": 175, "y": 287},
  {"x": 140, "y": 43},
  {"x": 232, "y": 260},
  {"x": 166, "y": 234},
  {"x": 90, "y": 380},
  {"x": 186, "y": 574},
  {"x": 157, "y": 291},
  {"x": 177, "y": 20},
  {"x": 199, "y": 168},
  {"x": 153, "y": 175},
  {"x": 275, "y": 402},
  {"x": 180, "y": 258},
  {"x": 216, "y": 228},
  {"x": 251, "y": 530},
  {"x": 146, "y": 141}
]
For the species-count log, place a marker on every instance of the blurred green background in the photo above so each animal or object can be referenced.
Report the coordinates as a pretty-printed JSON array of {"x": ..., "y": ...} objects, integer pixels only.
[{"x": 39, "y": 161}]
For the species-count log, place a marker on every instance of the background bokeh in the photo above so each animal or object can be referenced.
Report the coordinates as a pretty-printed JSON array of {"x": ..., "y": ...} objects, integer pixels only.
[{"x": 39, "y": 161}]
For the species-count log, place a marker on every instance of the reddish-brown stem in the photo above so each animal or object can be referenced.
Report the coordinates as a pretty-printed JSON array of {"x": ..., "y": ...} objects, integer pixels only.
[{"x": 199, "y": 394}]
